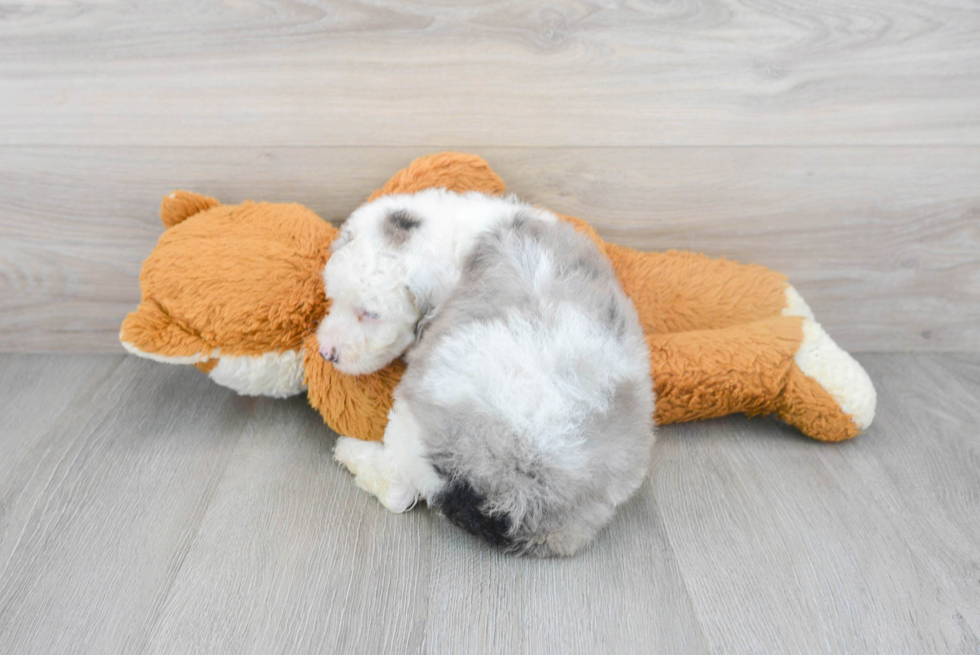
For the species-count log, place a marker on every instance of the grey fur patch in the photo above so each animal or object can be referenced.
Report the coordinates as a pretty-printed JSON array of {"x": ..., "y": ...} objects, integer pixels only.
[
  {"x": 399, "y": 225},
  {"x": 509, "y": 481}
]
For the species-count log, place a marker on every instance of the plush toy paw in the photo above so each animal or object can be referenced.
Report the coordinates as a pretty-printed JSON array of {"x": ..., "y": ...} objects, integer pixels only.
[
  {"x": 828, "y": 394},
  {"x": 821, "y": 359},
  {"x": 375, "y": 473}
]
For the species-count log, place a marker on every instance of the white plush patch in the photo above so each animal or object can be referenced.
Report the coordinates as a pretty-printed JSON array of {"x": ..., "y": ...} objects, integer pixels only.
[
  {"x": 831, "y": 366},
  {"x": 279, "y": 375},
  {"x": 196, "y": 358},
  {"x": 795, "y": 305}
]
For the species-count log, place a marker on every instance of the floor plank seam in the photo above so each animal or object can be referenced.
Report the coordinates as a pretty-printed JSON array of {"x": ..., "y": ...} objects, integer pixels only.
[{"x": 186, "y": 547}]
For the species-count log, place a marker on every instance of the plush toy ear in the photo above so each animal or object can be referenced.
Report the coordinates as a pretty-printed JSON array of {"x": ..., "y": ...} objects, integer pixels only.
[{"x": 178, "y": 206}]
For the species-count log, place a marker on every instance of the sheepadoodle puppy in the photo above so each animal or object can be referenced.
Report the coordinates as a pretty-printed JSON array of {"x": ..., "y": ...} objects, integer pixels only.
[{"x": 525, "y": 413}]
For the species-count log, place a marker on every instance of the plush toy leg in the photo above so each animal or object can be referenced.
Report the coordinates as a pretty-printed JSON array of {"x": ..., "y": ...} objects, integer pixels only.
[
  {"x": 755, "y": 369},
  {"x": 679, "y": 291},
  {"x": 824, "y": 377},
  {"x": 747, "y": 340},
  {"x": 709, "y": 373}
]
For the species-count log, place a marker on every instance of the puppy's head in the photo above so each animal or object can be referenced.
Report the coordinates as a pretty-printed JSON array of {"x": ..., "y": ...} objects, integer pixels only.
[{"x": 375, "y": 281}]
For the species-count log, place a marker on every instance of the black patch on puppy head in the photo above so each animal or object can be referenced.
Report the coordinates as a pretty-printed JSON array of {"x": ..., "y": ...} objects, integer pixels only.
[
  {"x": 399, "y": 225},
  {"x": 463, "y": 505}
]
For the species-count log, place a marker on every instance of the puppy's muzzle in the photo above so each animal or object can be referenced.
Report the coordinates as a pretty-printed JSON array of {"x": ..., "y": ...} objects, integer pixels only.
[{"x": 329, "y": 353}]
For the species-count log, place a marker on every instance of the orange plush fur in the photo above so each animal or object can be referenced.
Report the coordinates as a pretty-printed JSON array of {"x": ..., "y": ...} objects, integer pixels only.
[{"x": 245, "y": 281}]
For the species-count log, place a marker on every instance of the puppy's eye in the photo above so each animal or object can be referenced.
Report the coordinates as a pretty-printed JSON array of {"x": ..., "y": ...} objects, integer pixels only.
[{"x": 364, "y": 315}]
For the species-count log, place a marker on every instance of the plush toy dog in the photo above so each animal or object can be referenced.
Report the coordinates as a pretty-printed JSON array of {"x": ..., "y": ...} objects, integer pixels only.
[{"x": 237, "y": 291}]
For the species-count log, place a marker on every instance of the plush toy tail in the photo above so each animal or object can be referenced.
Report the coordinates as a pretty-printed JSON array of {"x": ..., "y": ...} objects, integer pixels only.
[{"x": 178, "y": 206}]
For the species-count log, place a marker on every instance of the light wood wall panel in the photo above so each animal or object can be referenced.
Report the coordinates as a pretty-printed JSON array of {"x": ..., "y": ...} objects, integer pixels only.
[
  {"x": 836, "y": 141},
  {"x": 490, "y": 73},
  {"x": 883, "y": 242}
]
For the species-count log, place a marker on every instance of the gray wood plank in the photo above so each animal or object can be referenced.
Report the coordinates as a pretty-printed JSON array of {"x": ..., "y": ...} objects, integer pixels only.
[
  {"x": 107, "y": 501},
  {"x": 691, "y": 72},
  {"x": 925, "y": 475},
  {"x": 293, "y": 558},
  {"x": 884, "y": 243},
  {"x": 37, "y": 394},
  {"x": 788, "y": 545},
  {"x": 624, "y": 594},
  {"x": 153, "y": 511}
]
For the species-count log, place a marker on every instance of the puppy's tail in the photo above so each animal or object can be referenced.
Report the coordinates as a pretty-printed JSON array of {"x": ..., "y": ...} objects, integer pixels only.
[{"x": 464, "y": 506}]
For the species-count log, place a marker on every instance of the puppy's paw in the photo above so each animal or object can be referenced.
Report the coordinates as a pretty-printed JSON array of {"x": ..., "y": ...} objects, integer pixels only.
[
  {"x": 357, "y": 455},
  {"x": 398, "y": 497},
  {"x": 375, "y": 473}
]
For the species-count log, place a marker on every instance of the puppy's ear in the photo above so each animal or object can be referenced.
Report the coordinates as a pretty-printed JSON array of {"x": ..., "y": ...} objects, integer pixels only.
[
  {"x": 427, "y": 286},
  {"x": 341, "y": 239},
  {"x": 423, "y": 323}
]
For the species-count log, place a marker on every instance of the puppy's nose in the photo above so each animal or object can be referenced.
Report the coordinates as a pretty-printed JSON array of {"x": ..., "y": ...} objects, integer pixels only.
[{"x": 329, "y": 354}]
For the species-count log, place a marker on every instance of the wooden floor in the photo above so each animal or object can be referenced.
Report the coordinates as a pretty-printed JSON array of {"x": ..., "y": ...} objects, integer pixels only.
[{"x": 144, "y": 509}]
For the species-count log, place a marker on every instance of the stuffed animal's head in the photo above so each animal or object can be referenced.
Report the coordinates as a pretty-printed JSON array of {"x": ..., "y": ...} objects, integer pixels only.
[
  {"x": 229, "y": 280},
  {"x": 238, "y": 291}
]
